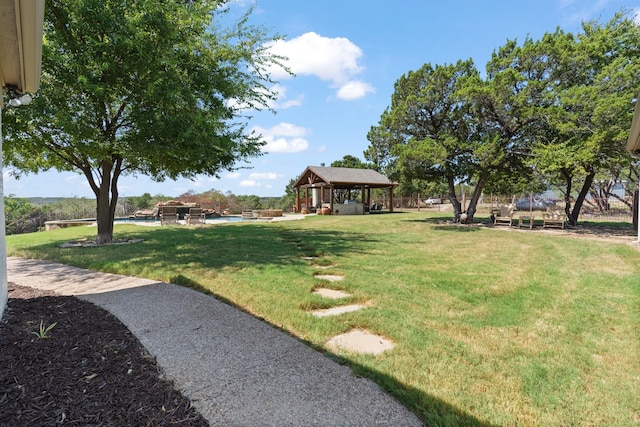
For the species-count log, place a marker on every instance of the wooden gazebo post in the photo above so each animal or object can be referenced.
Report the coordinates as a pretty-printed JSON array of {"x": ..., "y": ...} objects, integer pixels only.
[
  {"x": 306, "y": 199},
  {"x": 331, "y": 199},
  {"x": 391, "y": 199}
]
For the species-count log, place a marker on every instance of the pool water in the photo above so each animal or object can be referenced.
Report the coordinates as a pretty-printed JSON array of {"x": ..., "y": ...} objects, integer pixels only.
[{"x": 225, "y": 218}]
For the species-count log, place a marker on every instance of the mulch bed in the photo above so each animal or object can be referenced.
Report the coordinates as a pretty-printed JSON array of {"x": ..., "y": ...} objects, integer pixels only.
[{"x": 90, "y": 371}]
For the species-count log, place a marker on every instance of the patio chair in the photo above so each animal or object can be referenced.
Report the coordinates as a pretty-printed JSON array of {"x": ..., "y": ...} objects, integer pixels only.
[
  {"x": 505, "y": 216},
  {"x": 195, "y": 216},
  {"x": 168, "y": 215}
]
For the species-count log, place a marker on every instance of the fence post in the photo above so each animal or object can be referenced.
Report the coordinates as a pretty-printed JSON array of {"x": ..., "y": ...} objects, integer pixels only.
[{"x": 635, "y": 213}]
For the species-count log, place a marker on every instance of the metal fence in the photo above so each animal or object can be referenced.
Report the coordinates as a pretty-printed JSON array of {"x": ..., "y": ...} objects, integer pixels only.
[{"x": 593, "y": 209}]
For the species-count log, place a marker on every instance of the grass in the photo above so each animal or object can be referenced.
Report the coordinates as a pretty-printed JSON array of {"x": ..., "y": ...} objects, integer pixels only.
[{"x": 492, "y": 327}]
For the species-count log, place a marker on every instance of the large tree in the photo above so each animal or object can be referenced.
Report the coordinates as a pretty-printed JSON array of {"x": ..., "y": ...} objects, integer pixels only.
[
  {"x": 141, "y": 87},
  {"x": 591, "y": 88},
  {"x": 425, "y": 133},
  {"x": 506, "y": 106}
]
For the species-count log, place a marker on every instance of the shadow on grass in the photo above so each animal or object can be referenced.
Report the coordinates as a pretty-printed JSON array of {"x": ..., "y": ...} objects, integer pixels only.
[
  {"x": 217, "y": 247},
  {"x": 431, "y": 410},
  {"x": 458, "y": 228},
  {"x": 435, "y": 220},
  {"x": 442, "y": 223}
]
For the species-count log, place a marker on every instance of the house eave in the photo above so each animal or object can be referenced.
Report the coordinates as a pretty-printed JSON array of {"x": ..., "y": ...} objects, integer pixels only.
[{"x": 21, "y": 44}]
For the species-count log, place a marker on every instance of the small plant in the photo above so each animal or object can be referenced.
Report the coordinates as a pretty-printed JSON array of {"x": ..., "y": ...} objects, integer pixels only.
[{"x": 44, "y": 330}]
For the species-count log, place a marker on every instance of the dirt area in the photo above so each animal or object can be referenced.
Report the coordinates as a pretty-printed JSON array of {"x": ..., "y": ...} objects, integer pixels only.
[{"x": 88, "y": 371}]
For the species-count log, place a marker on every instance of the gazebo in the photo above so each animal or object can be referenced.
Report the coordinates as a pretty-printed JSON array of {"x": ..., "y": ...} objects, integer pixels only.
[{"x": 319, "y": 184}]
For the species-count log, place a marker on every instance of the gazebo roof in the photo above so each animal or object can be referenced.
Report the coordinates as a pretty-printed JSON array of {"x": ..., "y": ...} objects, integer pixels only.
[{"x": 316, "y": 176}]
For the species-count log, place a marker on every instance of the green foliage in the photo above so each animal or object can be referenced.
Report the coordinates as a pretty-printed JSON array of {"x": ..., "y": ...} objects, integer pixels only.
[
  {"x": 21, "y": 216},
  {"x": 426, "y": 133},
  {"x": 141, "y": 202},
  {"x": 247, "y": 203},
  {"x": 353, "y": 162},
  {"x": 43, "y": 332},
  {"x": 588, "y": 112},
  {"x": 550, "y": 112},
  {"x": 136, "y": 86},
  {"x": 287, "y": 201}
]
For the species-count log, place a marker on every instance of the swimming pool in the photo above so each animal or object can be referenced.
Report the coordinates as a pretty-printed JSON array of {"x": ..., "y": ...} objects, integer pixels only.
[{"x": 149, "y": 221}]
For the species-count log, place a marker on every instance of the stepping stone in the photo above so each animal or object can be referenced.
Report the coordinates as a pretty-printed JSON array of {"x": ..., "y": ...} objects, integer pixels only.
[
  {"x": 360, "y": 341},
  {"x": 330, "y": 293},
  {"x": 329, "y": 277},
  {"x": 324, "y": 267},
  {"x": 337, "y": 310}
]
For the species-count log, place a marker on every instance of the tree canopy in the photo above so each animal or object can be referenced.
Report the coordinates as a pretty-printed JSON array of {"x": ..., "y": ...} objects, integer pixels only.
[
  {"x": 550, "y": 111},
  {"x": 141, "y": 87}
]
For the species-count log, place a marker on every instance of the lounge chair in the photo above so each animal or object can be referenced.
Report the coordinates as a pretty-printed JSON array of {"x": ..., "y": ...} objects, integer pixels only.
[
  {"x": 505, "y": 216},
  {"x": 168, "y": 215},
  {"x": 195, "y": 216}
]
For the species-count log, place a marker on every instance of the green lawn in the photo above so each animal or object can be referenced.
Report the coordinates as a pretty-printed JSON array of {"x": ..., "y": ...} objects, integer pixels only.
[{"x": 492, "y": 327}]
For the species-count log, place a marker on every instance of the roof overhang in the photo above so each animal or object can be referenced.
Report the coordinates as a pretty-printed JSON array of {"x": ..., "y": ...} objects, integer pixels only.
[
  {"x": 341, "y": 178},
  {"x": 21, "y": 23},
  {"x": 633, "y": 144}
]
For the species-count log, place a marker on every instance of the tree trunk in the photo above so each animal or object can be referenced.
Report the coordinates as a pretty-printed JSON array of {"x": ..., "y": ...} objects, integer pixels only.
[
  {"x": 104, "y": 218},
  {"x": 104, "y": 214},
  {"x": 573, "y": 217},
  {"x": 471, "y": 210},
  {"x": 106, "y": 192},
  {"x": 457, "y": 211},
  {"x": 568, "y": 178}
]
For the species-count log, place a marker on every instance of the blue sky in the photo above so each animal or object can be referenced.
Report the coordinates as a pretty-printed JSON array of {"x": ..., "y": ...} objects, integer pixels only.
[{"x": 347, "y": 55}]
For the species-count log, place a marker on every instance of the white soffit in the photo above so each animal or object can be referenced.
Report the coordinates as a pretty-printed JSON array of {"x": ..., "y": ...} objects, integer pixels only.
[{"x": 21, "y": 43}]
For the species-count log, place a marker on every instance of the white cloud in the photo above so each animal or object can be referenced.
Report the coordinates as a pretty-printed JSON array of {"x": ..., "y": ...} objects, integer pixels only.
[
  {"x": 331, "y": 59},
  {"x": 252, "y": 183},
  {"x": 284, "y": 145},
  {"x": 283, "y": 138},
  {"x": 266, "y": 175},
  {"x": 233, "y": 175},
  {"x": 636, "y": 15},
  {"x": 354, "y": 90}
]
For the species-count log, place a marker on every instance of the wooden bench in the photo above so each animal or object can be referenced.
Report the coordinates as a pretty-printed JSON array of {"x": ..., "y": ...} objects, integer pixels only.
[{"x": 553, "y": 218}]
